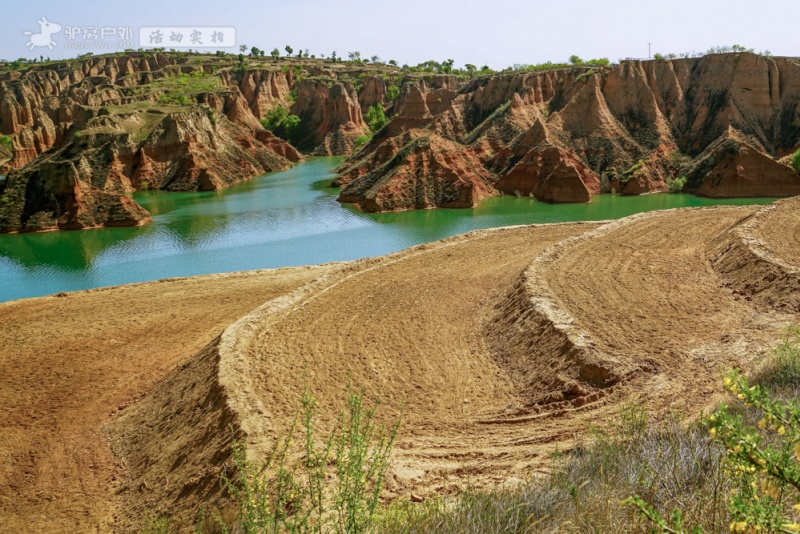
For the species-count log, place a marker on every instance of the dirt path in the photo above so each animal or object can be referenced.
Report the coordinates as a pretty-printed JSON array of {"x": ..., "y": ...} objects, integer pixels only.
[
  {"x": 408, "y": 331},
  {"x": 68, "y": 364}
]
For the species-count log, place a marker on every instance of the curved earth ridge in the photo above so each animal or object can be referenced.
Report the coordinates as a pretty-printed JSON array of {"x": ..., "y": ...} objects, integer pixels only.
[
  {"x": 759, "y": 258},
  {"x": 496, "y": 345}
]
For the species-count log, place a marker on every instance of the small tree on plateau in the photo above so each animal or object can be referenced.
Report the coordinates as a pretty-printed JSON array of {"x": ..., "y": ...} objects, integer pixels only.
[
  {"x": 243, "y": 48},
  {"x": 289, "y": 50},
  {"x": 575, "y": 59},
  {"x": 275, "y": 53}
]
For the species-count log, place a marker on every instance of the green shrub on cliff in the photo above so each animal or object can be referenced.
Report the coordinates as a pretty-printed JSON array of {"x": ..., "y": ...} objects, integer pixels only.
[
  {"x": 392, "y": 92},
  {"x": 274, "y": 118},
  {"x": 291, "y": 128},
  {"x": 676, "y": 185},
  {"x": 376, "y": 118},
  {"x": 5, "y": 142},
  {"x": 796, "y": 161},
  {"x": 362, "y": 140},
  {"x": 282, "y": 124}
]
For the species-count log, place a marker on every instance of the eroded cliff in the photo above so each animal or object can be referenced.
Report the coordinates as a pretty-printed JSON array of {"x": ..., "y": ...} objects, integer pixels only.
[
  {"x": 80, "y": 135},
  {"x": 721, "y": 122}
]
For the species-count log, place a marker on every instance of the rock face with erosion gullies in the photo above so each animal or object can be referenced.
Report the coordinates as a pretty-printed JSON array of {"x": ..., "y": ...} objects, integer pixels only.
[
  {"x": 176, "y": 122},
  {"x": 551, "y": 174},
  {"x": 330, "y": 116},
  {"x": 84, "y": 183},
  {"x": 428, "y": 172},
  {"x": 85, "y": 133},
  {"x": 721, "y": 121},
  {"x": 732, "y": 168}
]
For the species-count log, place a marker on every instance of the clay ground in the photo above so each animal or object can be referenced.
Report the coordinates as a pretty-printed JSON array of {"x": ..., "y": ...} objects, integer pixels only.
[
  {"x": 68, "y": 364},
  {"x": 496, "y": 346}
]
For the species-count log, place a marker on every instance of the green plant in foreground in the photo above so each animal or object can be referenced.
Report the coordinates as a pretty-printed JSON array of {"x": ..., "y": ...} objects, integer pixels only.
[
  {"x": 301, "y": 497},
  {"x": 762, "y": 458}
]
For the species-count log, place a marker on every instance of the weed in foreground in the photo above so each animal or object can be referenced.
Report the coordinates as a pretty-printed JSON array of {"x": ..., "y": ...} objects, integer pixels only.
[
  {"x": 307, "y": 496},
  {"x": 762, "y": 459}
]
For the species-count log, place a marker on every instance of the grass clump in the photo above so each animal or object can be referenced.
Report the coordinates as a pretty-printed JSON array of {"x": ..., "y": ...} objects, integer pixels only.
[
  {"x": 669, "y": 462},
  {"x": 760, "y": 433},
  {"x": 334, "y": 487}
]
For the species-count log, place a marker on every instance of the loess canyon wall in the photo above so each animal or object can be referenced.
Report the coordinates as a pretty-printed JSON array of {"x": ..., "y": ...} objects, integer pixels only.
[
  {"x": 721, "y": 122},
  {"x": 85, "y": 133}
]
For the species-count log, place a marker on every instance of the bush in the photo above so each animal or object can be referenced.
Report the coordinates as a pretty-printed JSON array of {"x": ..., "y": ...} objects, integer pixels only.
[
  {"x": 761, "y": 458},
  {"x": 292, "y": 128},
  {"x": 392, "y": 92},
  {"x": 796, "y": 161},
  {"x": 301, "y": 498},
  {"x": 5, "y": 142},
  {"x": 376, "y": 118},
  {"x": 676, "y": 185},
  {"x": 274, "y": 118},
  {"x": 669, "y": 463}
]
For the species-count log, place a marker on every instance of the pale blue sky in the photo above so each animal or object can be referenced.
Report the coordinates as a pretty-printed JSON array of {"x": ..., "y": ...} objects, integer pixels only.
[{"x": 494, "y": 32}]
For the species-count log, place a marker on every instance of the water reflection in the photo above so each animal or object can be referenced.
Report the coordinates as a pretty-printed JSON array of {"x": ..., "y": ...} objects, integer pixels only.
[
  {"x": 280, "y": 219},
  {"x": 68, "y": 250}
]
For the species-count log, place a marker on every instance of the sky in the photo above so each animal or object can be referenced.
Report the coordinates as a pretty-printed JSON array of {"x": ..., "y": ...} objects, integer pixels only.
[{"x": 497, "y": 33}]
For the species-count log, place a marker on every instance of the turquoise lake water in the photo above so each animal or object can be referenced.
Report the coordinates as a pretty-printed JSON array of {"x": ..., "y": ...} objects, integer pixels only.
[{"x": 279, "y": 219}]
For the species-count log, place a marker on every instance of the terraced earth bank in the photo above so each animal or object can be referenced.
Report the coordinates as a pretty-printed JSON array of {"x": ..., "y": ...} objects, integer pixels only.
[{"x": 496, "y": 347}]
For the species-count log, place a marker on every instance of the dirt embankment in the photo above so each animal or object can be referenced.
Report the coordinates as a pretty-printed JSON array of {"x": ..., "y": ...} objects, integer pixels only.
[{"x": 70, "y": 364}]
